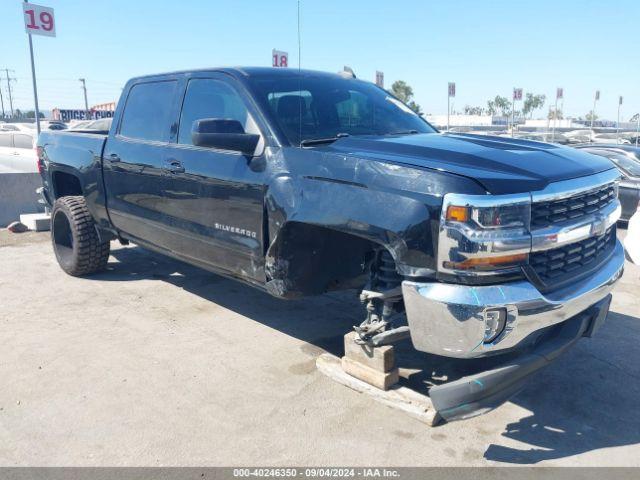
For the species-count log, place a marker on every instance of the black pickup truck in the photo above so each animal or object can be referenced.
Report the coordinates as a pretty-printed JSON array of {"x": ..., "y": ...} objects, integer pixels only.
[{"x": 301, "y": 182}]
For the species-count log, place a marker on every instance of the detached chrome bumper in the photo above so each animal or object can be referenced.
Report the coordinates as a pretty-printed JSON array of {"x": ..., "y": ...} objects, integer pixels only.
[{"x": 449, "y": 319}]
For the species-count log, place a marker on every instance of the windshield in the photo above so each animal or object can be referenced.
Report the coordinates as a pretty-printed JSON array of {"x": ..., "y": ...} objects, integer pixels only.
[{"x": 324, "y": 107}]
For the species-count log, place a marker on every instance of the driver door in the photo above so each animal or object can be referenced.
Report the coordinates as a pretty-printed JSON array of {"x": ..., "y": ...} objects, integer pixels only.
[{"x": 213, "y": 199}]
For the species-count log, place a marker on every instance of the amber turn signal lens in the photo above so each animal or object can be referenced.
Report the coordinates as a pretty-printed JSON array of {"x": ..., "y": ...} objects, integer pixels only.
[
  {"x": 457, "y": 214},
  {"x": 471, "y": 263}
]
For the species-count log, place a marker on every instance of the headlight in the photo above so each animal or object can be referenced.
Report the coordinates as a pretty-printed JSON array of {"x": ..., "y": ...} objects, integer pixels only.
[{"x": 482, "y": 235}]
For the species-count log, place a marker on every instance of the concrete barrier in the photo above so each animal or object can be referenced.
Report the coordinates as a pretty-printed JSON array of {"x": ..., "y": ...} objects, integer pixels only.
[{"x": 18, "y": 195}]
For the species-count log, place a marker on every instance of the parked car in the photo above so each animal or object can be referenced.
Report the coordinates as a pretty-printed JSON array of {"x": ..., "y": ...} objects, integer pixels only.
[
  {"x": 31, "y": 127},
  {"x": 301, "y": 182},
  {"x": 17, "y": 152},
  {"x": 579, "y": 136},
  {"x": 546, "y": 137},
  {"x": 627, "y": 159},
  {"x": 101, "y": 125},
  {"x": 608, "y": 138},
  {"x": 632, "y": 240}
]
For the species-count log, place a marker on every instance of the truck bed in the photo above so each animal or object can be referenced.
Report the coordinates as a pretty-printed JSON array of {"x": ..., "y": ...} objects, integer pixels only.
[{"x": 77, "y": 150}]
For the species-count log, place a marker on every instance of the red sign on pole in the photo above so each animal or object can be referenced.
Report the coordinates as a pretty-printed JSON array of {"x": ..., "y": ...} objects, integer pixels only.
[
  {"x": 279, "y": 58},
  {"x": 39, "y": 20},
  {"x": 517, "y": 94}
]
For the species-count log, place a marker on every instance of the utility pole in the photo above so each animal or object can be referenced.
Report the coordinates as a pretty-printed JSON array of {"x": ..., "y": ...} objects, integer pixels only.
[
  {"x": 2, "y": 102},
  {"x": 86, "y": 104},
  {"x": 9, "y": 79}
]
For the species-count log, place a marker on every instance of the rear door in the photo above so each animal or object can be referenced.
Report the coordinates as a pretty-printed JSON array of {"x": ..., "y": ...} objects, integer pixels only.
[
  {"x": 134, "y": 157},
  {"x": 214, "y": 198}
]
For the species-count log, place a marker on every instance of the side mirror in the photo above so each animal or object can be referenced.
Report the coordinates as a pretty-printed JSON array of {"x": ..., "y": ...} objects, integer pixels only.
[{"x": 223, "y": 134}]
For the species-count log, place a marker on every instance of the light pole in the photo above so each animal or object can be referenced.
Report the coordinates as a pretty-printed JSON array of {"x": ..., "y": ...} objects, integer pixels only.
[
  {"x": 618, "y": 122},
  {"x": 517, "y": 95},
  {"x": 86, "y": 104},
  {"x": 448, "y": 110},
  {"x": 593, "y": 111},
  {"x": 451, "y": 92}
]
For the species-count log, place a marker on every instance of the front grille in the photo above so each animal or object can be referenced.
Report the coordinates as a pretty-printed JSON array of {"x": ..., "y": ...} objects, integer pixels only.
[
  {"x": 570, "y": 262},
  {"x": 544, "y": 214}
]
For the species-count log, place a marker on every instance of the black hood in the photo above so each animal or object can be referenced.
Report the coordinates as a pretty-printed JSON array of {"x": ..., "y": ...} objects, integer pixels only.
[{"x": 501, "y": 165}]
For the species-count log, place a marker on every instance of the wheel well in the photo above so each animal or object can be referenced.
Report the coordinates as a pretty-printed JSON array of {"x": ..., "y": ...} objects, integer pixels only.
[
  {"x": 66, "y": 184},
  {"x": 308, "y": 259}
]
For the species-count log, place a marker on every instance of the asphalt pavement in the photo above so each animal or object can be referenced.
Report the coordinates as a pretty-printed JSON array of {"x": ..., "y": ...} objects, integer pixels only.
[{"x": 155, "y": 362}]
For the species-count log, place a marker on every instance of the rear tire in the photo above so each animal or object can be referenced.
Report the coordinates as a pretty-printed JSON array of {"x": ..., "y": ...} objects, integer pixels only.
[{"x": 74, "y": 237}]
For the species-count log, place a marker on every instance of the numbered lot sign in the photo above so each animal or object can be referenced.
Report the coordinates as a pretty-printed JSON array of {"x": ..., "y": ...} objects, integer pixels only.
[
  {"x": 39, "y": 20},
  {"x": 279, "y": 58}
]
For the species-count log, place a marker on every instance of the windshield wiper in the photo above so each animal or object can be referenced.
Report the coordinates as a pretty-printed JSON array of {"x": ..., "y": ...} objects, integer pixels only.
[{"x": 310, "y": 142}]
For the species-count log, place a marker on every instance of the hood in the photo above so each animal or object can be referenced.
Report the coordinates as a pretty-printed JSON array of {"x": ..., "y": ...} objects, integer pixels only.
[{"x": 501, "y": 165}]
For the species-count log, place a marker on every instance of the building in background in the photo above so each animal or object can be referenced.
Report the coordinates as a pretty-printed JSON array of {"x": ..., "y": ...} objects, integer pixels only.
[{"x": 101, "y": 110}]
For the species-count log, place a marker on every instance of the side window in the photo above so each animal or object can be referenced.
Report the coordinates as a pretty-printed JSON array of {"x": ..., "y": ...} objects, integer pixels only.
[
  {"x": 22, "y": 141},
  {"x": 208, "y": 98},
  {"x": 5, "y": 140},
  {"x": 147, "y": 111}
]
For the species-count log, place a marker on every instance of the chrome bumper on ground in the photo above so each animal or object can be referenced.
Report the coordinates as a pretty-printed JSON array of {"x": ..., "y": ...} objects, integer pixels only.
[{"x": 449, "y": 319}]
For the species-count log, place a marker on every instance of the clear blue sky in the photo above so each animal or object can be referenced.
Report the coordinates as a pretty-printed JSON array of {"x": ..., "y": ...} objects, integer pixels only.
[{"x": 486, "y": 47}]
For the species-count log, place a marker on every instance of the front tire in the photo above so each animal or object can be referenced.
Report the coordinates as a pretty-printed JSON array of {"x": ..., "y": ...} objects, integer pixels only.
[{"x": 75, "y": 240}]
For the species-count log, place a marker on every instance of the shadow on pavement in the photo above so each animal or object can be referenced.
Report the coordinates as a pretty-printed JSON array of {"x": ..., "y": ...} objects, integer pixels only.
[{"x": 588, "y": 401}]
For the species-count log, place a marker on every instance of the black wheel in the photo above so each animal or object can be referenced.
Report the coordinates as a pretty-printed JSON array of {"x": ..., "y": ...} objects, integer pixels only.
[{"x": 75, "y": 240}]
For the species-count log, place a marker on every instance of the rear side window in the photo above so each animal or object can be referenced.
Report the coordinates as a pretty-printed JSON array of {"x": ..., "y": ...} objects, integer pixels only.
[
  {"x": 5, "y": 140},
  {"x": 22, "y": 141},
  {"x": 147, "y": 111}
]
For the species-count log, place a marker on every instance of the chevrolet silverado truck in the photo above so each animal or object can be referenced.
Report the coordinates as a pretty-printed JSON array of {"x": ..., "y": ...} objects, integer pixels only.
[{"x": 302, "y": 182}]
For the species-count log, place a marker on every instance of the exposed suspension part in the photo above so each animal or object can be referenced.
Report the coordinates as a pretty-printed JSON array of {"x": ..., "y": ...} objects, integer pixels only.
[{"x": 383, "y": 302}]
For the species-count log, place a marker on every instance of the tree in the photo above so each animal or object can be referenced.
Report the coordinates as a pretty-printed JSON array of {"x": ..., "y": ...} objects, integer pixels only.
[
  {"x": 32, "y": 114},
  {"x": 634, "y": 118},
  {"x": 590, "y": 116},
  {"x": 531, "y": 103},
  {"x": 404, "y": 92},
  {"x": 557, "y": 114},
  {"x": 473, "y": 110},
  {"x": 500, "y": 104}
]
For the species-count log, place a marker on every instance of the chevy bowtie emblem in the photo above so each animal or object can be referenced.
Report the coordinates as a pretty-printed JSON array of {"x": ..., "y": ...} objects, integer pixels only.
[{"x": 598, "y": 227}]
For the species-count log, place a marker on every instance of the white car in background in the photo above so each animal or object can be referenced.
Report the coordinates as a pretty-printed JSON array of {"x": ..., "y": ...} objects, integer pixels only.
[
  {"x": 632, "y": 240},
  {"x": 17, "y": 152}
]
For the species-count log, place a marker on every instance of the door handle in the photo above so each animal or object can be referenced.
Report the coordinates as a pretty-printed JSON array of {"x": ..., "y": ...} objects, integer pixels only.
[
  {"x": 114, "y": 157},
  {"x": 174, "y": 166}
]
